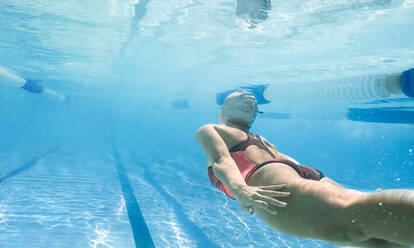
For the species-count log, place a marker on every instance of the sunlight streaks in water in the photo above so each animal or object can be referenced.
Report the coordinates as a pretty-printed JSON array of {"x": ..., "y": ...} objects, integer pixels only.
[
  {"x": 125, "y": 68},
  {"x": 121, "y": 210},
  {"x": 206, "y": 34},
  {"x": 101, "y": 239}
]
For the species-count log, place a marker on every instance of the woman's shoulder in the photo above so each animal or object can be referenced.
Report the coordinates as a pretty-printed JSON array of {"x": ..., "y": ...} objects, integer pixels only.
[
  {"x": 211, "y": 126},
  {"x": 206, "y": 131},
  {"x": 228, "y": 134},
  {"x": 219, "y": 128},
  {"x": 206, "y": 128}
]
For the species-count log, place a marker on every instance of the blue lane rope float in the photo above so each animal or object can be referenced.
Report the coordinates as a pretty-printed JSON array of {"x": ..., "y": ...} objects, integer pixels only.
[
  {"x": 9, "y": 78},
  {"x": 346, "y": 90},
  {"x": 142, "y": 236},
  {"x": 407, "y": 82},
  {"x": 32, "y": 86}
]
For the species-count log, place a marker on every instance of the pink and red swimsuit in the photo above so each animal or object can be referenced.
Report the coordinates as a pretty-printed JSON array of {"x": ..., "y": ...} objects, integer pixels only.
[{"x": 247, "y": 168}]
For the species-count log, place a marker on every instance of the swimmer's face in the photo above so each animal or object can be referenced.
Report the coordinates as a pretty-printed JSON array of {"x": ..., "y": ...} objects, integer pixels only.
[{"x": 240, "y": 108}]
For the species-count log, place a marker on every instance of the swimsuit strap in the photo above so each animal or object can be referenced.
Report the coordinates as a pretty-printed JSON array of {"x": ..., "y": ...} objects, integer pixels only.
[
  {"x": 244, "y": 144},
  {"x": 252, "y": 139},
  {"x": 263, "y": 146}
]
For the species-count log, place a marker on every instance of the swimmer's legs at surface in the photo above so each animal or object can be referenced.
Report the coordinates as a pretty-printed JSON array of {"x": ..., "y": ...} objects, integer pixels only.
[
  {"x": 322, "y": 210},
  {"x": 253, "y": 9}
]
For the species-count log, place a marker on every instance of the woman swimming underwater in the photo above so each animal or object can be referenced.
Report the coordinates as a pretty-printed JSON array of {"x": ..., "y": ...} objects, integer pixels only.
[{"x": 249, "y": 169}]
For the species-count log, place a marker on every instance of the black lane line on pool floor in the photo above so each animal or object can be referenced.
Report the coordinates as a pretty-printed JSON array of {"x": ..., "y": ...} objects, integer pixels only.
[
  {"x": 29, "y": 164},
  {"x": 192, "y": 229},
  {"x": 140, "y": 230}
]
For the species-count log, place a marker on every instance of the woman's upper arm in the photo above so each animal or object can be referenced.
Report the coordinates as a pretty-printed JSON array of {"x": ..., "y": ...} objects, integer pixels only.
[{"x": 212, "y": 143}]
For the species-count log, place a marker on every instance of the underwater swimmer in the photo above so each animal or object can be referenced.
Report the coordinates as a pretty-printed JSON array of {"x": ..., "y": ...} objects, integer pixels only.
[{"x": 309, "y": 205}]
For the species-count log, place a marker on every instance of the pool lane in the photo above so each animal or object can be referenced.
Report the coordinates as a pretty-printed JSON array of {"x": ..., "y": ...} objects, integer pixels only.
[
  {"x": 192, "y": 229},
  {"x": 140, "y": 230},
  {"x": 70, "y": 198},
  {"x": 27, "y": 165}
]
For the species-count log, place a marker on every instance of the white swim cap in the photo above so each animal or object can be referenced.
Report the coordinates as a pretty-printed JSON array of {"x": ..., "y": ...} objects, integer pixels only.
[{"x": 241, "y": 107}]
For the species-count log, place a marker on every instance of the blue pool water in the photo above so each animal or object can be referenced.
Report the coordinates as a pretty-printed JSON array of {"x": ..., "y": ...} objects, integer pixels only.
[{"x": 116, "y": 163}]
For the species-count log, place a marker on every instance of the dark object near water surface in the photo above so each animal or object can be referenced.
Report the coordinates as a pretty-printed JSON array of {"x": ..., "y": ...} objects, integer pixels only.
[
  {"x": 382, "y": 115},
  {"x": 254, "y": 11},
  {"x": 256, "y": 90},
  {"x": 33, "y": 86}
]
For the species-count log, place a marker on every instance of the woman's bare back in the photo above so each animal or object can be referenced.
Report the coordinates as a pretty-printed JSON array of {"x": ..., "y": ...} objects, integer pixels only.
[{"x": 233, "y": 136}]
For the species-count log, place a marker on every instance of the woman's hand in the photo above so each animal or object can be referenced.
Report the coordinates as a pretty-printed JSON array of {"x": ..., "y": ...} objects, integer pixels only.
[{"x": 250, "y": 197}]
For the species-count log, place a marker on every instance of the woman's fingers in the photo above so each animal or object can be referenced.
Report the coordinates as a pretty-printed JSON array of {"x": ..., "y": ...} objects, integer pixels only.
[
  {"x": 273, "y": 187},
  {"x": 274, "y": 202},
  {"x": 265, "y": 206},
  {"x": 270, "y": 200},
  {"x": 264, "y": 197},
  {"x": 274, "y": 193}
]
